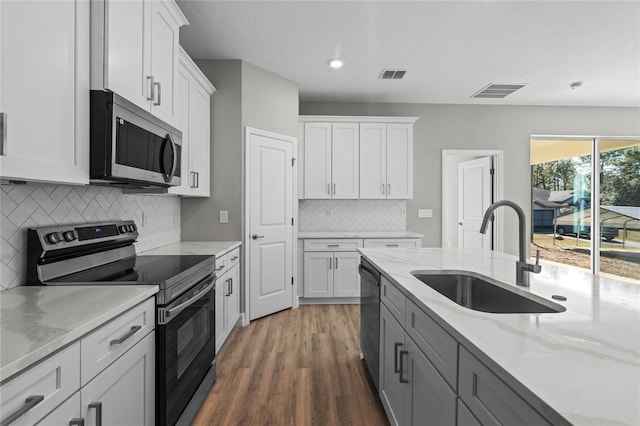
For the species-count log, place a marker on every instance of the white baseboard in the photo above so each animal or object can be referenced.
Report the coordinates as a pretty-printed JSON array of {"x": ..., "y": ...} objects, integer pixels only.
[
  {"x": 330, "y": 301},
  {"x": 243, "y": 320}
]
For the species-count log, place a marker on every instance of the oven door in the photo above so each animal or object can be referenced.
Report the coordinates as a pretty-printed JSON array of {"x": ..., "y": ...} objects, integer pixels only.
[{"x": 185, "y": 338}]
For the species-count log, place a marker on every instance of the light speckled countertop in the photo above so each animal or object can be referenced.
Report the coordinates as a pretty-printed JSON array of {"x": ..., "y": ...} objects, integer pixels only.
[
  {"x": 358, "y": 234},
  {"x": 37, "y": 321},
  {"x": 583, "y": 363},
  {"x": 216, "y": 248}
]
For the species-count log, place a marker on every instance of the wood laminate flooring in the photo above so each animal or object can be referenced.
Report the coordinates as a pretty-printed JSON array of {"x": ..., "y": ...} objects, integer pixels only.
[{"x": 296, "y": 367}]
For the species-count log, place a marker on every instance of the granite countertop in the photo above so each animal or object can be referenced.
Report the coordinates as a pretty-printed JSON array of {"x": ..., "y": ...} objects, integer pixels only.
[
  {"x": 583, "y": 363},
  {"x": 37, "y": 321},
  {"x": 217, "y": 248},
  {"x": 358, "y": 234}
]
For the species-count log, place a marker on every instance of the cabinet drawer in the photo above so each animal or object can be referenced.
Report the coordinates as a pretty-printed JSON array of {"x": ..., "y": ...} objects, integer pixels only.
[
  {"x": 434, "y": 341},
  {"x": 490, "y": 400},
  {"x": 106, "y": 344},
  {"x": 222, "y": 264},
  {"x": 342, "y": 244},
  {"x": 233, "y": 257},
  {"x": 393, "y": 243},
  {"x": 52, "y": 381},
  {"x": 393, "y": 298}
]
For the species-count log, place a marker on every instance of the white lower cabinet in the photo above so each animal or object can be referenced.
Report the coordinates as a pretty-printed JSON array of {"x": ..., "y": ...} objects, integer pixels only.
[
  {"x": 120, "y": 392},
  {"x": 331, "y": 274},
  {"x": 227, "y": 294}
]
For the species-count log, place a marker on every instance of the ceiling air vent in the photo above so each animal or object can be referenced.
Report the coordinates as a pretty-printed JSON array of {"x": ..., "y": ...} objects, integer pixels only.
[
  {"x": 392, "y": 74},
  {"x": 497, "y": 91}
]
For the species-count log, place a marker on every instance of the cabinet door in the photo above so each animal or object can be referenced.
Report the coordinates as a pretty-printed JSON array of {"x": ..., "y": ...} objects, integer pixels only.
[
  {"x": 221, "y": 291},
  {"x": 318, "y": 274},
  {"x": 62, "y": 416},
  {"x": 199, "y": 139},
  {"x": 127, "y": 49},
  {"x": 373, "y": 160},
  {"x": 346, "y": 279},
  {"x": 345, "y": 142},
  {"x": 392, "y": 391},
  {"x": 232, "y": 301},
  {"x": 400, "y": 161},
  {"x": 428, "y": 398},
  {"x": 164, "y": 60},
  {"x": 317, "y": 160},
  {"x": 44, "y": 90},
  {"x": 183, "y": 88},
  {"x": 124, "y": 393}
]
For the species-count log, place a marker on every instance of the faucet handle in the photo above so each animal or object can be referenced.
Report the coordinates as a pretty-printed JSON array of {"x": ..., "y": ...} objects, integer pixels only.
[{"x": 536, "y": 268}]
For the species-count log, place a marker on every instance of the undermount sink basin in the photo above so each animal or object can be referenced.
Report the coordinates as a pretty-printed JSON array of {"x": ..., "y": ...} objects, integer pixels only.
[{"x": 483, "y": 294}]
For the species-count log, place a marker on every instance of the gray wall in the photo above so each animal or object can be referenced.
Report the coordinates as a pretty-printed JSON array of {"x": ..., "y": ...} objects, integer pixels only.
[{"x": 505, "y": 128}]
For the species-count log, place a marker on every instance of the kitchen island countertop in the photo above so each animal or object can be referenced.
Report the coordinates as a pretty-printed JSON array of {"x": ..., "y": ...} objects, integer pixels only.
[
  {"x": 583, "y": 363},
  {"x": 37, "y": 321},
  {"x": 358, "y": 234}
]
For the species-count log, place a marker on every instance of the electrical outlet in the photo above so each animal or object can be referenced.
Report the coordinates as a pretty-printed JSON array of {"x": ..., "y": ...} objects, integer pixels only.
[
  {"x": 224, "y": 216},
  {"x": 422, "y": 213}
]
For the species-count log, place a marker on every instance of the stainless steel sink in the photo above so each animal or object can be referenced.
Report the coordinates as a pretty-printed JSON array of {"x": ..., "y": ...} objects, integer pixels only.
[{"x": 483, "y": 294}]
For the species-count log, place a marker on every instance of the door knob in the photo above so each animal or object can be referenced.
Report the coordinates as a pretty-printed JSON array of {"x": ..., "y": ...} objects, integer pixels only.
[
  {"x": 256, "y": 236},
  {"x": 460, "y": 223}
]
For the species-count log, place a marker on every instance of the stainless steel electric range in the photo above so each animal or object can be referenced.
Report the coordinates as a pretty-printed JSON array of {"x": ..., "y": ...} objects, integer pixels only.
[{"x": 104, "y": 254}]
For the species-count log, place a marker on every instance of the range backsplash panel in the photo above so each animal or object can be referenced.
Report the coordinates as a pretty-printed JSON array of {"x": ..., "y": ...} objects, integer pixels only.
[
  {"x": 34, "y": 205},
  {"x": 353, "y": 215}
]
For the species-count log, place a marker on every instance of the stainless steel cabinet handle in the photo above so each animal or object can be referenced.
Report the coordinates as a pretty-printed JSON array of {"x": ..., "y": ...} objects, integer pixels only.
[
  {"x": 76, "y": 422},
  {"x": 396, "y": 345},
  {"x": 193, "y": 179},
  {"x": 329, "y": 188},
  {"x": 130, "y": 333},
  {"x": 220, "y": 268},
  {"x": 3, "y": 133},
  {"x": 388, "y": 189},
  {"x": 98, "y": 407},
  {"x": 30, "y": 402},
  {"x": 228, "y": 283},
  {"x": 151, "y": 88},
  {"x": 383, "y": 189},
  {"x": 230, "y": 286},
  {"x": 234, "y": 258},
  {"x": 336, "y": 263},
  {"x": 330, "y": 261},
  {"x": 256, "y": 236},
  {"x": 402, "y": 354},
  {"x": 159, "y": 86},
  {"x": 333, "y": 245},
  {"x": 393, "y": 245},
  {"x": 197, "y": 179},
  {"x": 334, "y": 189}
]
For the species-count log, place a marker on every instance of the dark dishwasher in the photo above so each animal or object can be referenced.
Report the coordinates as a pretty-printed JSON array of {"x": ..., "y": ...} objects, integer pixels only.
[{"x": 370, "y": 317}]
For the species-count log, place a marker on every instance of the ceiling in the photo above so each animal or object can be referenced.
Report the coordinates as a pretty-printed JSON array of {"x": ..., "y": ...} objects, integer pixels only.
[{"x": 450, "y": 49}]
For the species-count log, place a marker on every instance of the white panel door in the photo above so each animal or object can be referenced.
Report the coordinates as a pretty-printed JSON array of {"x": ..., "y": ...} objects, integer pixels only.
[
  {"x": 44, "y": 90},
  {"x": 400, "y": 161},
  {"x": 317, "y": 160},
  {"x": 373, "y": 160},
  {"x": 318, "y": 274},
  {"x": 164, "y": 59},
  {"x": 345, "y": 152},
  {"x": 475, "y": 186},
  {"x": 346, "y": 279},
  {"x": 127, "y": 50},
  {"x": 270, "y": 224}
]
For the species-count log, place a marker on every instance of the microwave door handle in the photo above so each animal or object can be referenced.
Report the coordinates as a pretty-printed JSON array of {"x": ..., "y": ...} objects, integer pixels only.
[{"x": 175, "y": 158}]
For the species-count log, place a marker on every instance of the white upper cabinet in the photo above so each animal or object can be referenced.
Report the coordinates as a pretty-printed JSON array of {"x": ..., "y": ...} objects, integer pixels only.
[
  {"x": 44, "y": 91},
  {"x": 356, "y": 157},
  {"x": 192, "y": 103},
  {"x": 134, "y": 52}
]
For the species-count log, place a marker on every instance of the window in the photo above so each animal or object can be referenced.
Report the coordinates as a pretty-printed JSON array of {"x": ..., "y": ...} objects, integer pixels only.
[{"x": 569, "y": 207}]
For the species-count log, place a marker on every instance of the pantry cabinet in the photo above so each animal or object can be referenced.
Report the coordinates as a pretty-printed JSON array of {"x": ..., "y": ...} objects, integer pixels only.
[
  {"x": 44, "y": 91},
  {"x": 193, "y": 92},
  {"x": 134, "y": 52},
  {"x": 356, "y": 157}
]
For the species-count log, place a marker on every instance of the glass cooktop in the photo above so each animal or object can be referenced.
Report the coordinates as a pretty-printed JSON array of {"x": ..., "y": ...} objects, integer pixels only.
[{"x": 138, "y": 270}]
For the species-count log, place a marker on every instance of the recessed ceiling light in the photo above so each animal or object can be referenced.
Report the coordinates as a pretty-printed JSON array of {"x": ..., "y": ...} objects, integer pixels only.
[{"x": 336, "y": 63}]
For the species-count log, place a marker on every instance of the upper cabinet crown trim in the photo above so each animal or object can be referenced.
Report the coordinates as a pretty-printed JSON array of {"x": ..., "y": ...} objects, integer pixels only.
[
  {"x": 355, "y": 119},
  {"x": 176, "y": 12},
  {"x": 195, "y": 71}
]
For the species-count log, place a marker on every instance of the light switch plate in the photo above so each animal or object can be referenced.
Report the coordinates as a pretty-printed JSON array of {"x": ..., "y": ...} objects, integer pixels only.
[
  {"x": 224, "y": 216},
  {"x": 425, "y": 213}
]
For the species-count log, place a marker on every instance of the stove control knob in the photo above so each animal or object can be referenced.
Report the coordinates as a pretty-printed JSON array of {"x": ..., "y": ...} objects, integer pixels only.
[
  {"x": 123, "y": 229},
  {"x": 54, "y": 237},
  {"x": 132, "y": 228},
  {"x": 69, "y": 235}
]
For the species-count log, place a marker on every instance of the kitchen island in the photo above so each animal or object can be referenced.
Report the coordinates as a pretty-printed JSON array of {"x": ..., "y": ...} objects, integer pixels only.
[{"x": 580, "y": 366}]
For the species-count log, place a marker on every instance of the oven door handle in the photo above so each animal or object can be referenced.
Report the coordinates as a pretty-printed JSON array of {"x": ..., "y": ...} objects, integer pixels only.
[{"x": 184, "y": 305}]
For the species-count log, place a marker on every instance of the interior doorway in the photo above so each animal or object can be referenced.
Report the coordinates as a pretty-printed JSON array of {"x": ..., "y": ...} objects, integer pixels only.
[{"x": 472, "y": 164}]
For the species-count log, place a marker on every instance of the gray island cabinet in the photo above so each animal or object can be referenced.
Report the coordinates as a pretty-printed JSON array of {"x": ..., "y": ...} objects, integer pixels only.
[{"x": 428, "y": 378}]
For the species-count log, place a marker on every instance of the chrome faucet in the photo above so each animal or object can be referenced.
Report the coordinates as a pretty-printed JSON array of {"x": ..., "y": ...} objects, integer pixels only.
[{"x": 522, "y": 267}]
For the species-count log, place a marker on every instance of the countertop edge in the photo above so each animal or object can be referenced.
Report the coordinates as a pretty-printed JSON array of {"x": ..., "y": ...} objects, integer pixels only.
[
  {"x": 357, "y": 234},
  {"x": 212, "y": 248}
]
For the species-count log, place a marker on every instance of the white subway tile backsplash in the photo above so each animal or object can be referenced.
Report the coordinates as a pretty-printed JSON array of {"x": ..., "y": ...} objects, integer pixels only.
[
  {"x": 33, "y": 205},
  {"x": 353, "y": 215}
]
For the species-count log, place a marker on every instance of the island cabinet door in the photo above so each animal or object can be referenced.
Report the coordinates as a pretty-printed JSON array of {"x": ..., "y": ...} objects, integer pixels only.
[
  {"x": 392, "y": 377},
  {"x": 428, "y": 398}
]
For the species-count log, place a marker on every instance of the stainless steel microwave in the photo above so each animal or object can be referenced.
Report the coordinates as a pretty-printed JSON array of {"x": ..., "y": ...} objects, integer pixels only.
[{"x": 131, "y": 148}]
